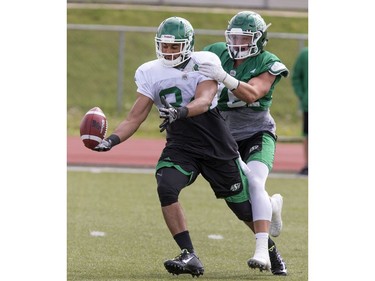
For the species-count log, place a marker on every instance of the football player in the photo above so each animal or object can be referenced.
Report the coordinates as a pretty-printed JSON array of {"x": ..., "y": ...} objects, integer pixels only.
[{"x": 248, "y": 75}]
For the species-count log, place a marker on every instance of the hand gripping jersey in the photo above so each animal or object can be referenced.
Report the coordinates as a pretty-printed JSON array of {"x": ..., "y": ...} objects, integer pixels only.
[
  {"x": 205, "y": 134},
  {"x": 245, "y": 119}
]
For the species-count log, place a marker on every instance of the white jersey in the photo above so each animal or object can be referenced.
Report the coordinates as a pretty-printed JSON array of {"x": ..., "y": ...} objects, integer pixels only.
[
  {"x": 201, "y": 135},
  {"x": 154, "y": 79}
]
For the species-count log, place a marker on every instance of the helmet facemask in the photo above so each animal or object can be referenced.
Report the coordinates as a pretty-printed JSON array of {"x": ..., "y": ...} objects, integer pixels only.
[
  {"x": 178, "y": 32},
  {"x": 242, "y": 44},
  {"x": 172, "y": 59},
  {"x": 246, "y": 35}
]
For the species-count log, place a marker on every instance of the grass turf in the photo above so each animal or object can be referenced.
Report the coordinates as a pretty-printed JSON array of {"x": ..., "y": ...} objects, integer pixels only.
[{"x": 125, "y": 207}]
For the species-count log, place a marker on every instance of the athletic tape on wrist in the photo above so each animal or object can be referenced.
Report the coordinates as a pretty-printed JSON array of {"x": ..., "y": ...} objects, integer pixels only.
[{"x": 231, "y": 83}]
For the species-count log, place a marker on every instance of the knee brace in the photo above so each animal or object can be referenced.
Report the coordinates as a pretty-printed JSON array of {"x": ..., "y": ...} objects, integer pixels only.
[{"x": 242, "y": 210}]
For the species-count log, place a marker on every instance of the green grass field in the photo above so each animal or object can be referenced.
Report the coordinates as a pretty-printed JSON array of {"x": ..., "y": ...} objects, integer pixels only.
[{"x": 126, "y": 208}]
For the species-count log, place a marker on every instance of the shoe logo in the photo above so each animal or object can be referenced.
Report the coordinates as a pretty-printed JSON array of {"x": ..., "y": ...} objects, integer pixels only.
[
  {"x": 188, "y": 259},
  {"x": 235, "y": 186}
]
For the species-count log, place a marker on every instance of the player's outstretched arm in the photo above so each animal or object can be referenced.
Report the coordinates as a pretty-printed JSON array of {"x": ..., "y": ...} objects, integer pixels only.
[{"x": 138, "y": 113}]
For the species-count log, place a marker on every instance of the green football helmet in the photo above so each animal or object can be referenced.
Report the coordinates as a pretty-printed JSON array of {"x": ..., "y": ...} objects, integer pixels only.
[
  {"x": 246, "y": 35},
  {"x": 174, "y": 30}
]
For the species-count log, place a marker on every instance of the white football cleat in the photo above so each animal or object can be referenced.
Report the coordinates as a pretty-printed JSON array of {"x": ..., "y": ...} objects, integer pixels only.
[
  {"x": 261, "y": 257},
  {"x": 276, "y": 221}
]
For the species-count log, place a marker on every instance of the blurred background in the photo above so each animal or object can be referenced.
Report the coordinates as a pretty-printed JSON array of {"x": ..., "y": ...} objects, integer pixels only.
[
  {"x": 108, "y": 40},
  {"x": 301, "y": 5}
]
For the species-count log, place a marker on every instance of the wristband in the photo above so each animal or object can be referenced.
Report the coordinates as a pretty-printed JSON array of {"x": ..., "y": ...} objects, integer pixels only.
[
  {"x": 230, "y": 82},
  {"x": 182, "y": 112},
  {"x": 114, "y": 139}
]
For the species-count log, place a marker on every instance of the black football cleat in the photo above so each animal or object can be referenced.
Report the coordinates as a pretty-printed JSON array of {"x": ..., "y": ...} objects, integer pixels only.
[
  {"x": 185, "y": 263},
  {"x": 278, "y": 265}
]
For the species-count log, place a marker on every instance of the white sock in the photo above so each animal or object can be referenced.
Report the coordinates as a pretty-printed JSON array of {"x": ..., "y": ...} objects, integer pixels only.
[
  {"x": 261, "y": 235},
  {"x": 261, "y": 247}
]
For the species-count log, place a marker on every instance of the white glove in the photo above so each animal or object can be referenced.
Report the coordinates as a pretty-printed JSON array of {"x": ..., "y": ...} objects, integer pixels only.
[
  {"x": 213, "y": 71},
  {"x": 217, "y": 72}
]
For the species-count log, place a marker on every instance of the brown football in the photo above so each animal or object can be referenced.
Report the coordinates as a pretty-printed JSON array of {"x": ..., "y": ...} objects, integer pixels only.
[{"x": 93, "y": 127}]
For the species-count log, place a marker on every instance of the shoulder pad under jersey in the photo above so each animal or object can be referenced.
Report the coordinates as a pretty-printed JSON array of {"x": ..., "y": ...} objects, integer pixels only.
[{"x": 278, "y": 68}]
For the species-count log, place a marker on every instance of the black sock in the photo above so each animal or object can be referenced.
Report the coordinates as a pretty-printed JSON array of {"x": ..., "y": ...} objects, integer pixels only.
[{"x": 183, "y": 241}]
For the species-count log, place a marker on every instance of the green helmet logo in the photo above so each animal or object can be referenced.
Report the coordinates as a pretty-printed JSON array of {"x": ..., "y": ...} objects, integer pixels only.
[
  {"x": 174, "y": 30},
  {"x": 246, "y": 35}
]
